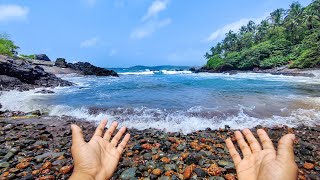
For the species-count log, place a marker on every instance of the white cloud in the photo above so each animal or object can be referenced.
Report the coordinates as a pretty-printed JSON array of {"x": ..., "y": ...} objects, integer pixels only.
[
  {"x": 13, "y": 12},
  {"x": 151, "y": 22},
  {"x": 148, "y": 28},
  {"x": 235, "y": 26},
  {"x": 155, "y": 8},
  {"x": 89, "y": 42},
  {"x": 90, "y": 2}
]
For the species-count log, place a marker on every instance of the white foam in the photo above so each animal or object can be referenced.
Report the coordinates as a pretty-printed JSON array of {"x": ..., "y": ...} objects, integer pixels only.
[
  {"x": 143, "y": 118},
  {"x": 176, "y": 72},
  {"x": 138, "y": 73}
]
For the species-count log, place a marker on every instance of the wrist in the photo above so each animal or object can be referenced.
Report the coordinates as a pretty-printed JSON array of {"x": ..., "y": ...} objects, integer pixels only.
[{"x": 79, "y": 175}]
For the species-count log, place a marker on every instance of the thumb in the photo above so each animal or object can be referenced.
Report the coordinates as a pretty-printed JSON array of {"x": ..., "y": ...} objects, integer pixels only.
[
  {"x": 77, "y": 136},
  {"x": 285, "y": 148}
]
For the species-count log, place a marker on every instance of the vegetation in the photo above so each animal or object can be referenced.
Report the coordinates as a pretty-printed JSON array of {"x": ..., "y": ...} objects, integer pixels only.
[
  {"x": 287, "y": 37},
  {"x": 23, "y": 56},
  {"x": 7, "y": 47}
]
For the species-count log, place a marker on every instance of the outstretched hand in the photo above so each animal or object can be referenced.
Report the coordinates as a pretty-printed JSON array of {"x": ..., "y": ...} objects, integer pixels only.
[
  {"x": 263, "y": 163},
  {"x": 98, "y": 158}
]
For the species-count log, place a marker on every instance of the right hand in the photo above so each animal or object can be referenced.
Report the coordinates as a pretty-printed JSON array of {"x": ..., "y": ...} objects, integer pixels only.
[{"x": 263, "y": 163}]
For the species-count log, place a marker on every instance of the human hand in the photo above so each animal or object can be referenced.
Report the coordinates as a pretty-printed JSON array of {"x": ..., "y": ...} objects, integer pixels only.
[
  {"x": 98, "y": 158},
  {"x": 266, "y": 163}
]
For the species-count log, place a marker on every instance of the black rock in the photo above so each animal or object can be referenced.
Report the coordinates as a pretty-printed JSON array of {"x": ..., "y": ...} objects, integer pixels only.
[
  {"x": 61, "y": 62},
  {"x": 192, "y": 159},
  {"x": 42, "y": 57},
  {"x": 45, "y": 91},
  {"x": 86, "y": 68},
  {"x": 23, "y": 76},
  {"x": 200, "y": 172}
]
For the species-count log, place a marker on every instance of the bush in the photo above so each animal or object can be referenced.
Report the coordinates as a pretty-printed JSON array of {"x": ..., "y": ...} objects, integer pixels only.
[
  {"x": 274, "y": 61},
  {"x": 7, "y": 47}
]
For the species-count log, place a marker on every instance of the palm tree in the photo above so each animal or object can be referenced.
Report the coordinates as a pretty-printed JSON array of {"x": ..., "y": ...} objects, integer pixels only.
[{"x": 277, "y": 16}]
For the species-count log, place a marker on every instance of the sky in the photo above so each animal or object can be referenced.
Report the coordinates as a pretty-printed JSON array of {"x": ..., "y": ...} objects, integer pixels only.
[{"x": 124, "y": 33}]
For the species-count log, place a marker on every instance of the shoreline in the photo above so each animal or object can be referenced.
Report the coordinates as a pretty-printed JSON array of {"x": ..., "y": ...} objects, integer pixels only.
[{"x": 39, "y": 147}]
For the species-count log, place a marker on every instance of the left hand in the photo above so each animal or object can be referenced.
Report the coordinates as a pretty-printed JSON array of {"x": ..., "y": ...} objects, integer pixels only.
[{"x": 98, "y": 158}]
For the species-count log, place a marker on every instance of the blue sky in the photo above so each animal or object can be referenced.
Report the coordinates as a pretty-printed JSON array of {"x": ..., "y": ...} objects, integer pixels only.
[{"x": 122, "y": 33}]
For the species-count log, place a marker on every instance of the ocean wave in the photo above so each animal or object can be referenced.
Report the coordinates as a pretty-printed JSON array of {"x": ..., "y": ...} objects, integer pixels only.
[
  {"x": 185, "y": 121},
  {"x": 175, "y": 72}
]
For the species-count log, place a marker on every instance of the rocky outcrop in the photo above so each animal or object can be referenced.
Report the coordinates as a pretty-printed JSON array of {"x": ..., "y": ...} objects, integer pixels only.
[
  {"x": 42, "y": 57},
  {"x": 61, "y": 62},
  {"x": 86, "y": 68},
  {"x": 19, "y": 74}
]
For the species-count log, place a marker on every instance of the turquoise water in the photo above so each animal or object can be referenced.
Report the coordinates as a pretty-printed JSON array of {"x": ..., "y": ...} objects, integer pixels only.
[{"x": 175, "y": 99}]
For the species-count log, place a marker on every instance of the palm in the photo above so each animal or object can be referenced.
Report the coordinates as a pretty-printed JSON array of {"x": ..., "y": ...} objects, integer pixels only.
[
  {"x": 99, "y": 158},
  {"x": 266, "y": 163}
]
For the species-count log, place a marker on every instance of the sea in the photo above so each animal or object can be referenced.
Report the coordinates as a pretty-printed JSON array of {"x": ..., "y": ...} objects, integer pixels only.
[{"x": 173, "y": 99}]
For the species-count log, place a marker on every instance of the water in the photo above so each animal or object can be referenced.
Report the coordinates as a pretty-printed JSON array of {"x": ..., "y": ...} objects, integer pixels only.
[{"x": 174, "y": 99}]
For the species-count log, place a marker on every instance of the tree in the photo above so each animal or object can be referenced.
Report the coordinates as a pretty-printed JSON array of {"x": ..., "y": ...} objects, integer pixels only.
[
  {"x": 7, "y": 47},
  {"x": 277, "y": 17}
]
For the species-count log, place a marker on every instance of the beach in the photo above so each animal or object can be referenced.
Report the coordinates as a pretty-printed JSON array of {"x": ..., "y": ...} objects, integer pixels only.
[{"x": 39, "y": 148}]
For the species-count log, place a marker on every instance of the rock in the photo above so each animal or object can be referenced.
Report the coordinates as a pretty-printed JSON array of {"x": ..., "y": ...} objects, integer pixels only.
[
  {"x": 308, "y": 166},
  {"x": 187, "y": 172},
  {"x": 3, "y": 152},
  {"x": 8, "y": 156},
  {"x": 45, "y": 91},
  {"x": 192, "y": 159},
  {"x": 216, "y": 178},
  {"x": 137, "y": 147},
  {"x": 61, "y": 62},
  {"x": 23, "y": 76},
  {"x": 47, "y": 165},
  {"x": 42, "y": 57},
  {"x": 4, "y": 164},
  {"x": 200, "y": 172},
  {"x": 48, "y": 177},
  {"x": 65, "y": 169},
  {"x": 147, "y": 156},
  {"x": 169, "y": 167},
  {"x": 129, "y": 173},
  {"x": 156, "y": 172},
  {"x": 225, "y": 163},
  {"x": 22, "y": 165},
  {"x": 86, "y": 68},
  {"x": 164, "y": 178},
  {"x": 181, "y": 147}
]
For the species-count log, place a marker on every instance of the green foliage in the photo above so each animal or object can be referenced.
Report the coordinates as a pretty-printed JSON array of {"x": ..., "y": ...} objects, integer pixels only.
[
  {"x": 7, "y": 47},
  {"x": 215, "y": 62},
  {"x": 286, "y": 37},
  {"x": 32, "y": 56}
]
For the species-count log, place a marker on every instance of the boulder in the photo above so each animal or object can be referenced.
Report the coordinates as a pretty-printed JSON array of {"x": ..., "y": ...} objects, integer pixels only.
[
  {"x": 42, "y": 57},
  {"x": 61, "y": 62},
  {"x": 18, "y": 74},
  {"x": 86, "y": 68}
]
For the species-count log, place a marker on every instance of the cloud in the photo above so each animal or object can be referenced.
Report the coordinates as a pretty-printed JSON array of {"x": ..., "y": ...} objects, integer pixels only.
[
  {"x": 151, "y": 22},
  {"x": 155, "y": 8},
  {"x": 89, "y": 42},
  {"x": 234, "y": 26},
  {"x": 147, "y": 29},
  {"x": 90, "y": 2},
  {"x": 13, "y": 12}
]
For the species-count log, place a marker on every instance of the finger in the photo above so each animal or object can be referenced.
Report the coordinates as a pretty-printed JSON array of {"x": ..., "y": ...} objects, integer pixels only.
[
  {"x": 245, "y": 149},
  {"x": 123, "y": 143},
  {"x": 100, "y": 128},
  {"x": 77, "y": 136},
  {"x": 233, "y": 152},
  {"x": 285, "y": 147},
  {"x": 265, "y": 140},
  {"x": 117, "y": 137},
  {"x": 109, "y": 132},
  {"x": 253, "y": 143}
]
